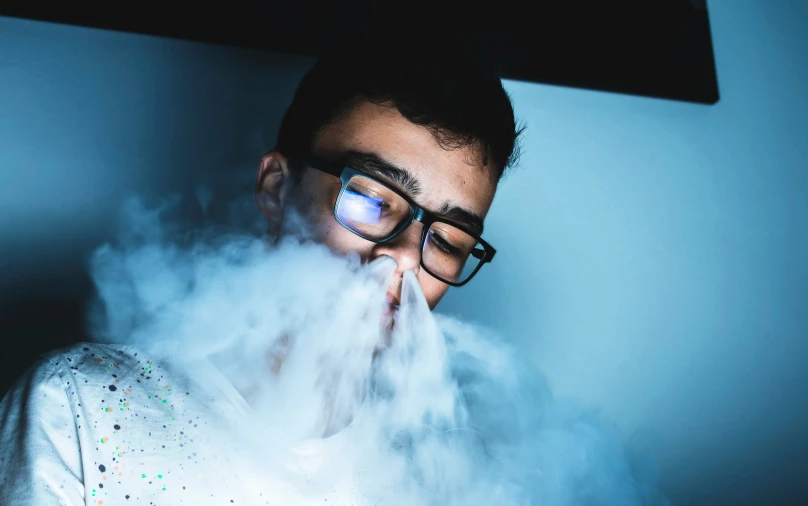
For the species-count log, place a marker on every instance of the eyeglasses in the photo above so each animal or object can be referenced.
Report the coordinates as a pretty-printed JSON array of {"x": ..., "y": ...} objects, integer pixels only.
[{"x": 376, "y": 211}]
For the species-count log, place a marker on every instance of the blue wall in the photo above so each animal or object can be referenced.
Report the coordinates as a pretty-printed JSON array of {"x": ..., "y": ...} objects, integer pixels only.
[
  {"x": 655, "y": 261},
  {"x": 652, "y": 254}
]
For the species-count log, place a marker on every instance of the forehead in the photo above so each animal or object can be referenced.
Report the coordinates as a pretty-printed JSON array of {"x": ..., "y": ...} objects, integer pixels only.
[{"x": 453, "y": 177}]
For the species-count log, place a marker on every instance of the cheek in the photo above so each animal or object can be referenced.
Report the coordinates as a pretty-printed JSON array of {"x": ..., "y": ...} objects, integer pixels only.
[
  {"x": 341, "y": 240},
  {"x": 317, "y": 208},
  {"x": 314, "y": 201}
]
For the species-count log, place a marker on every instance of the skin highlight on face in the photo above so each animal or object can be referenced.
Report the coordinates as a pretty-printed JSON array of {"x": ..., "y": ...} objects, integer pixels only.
[{"x": 377, "y": 139}]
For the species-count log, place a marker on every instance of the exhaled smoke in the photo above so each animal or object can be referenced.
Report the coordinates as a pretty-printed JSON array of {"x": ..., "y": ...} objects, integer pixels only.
[{"x": 426, "y": 410}]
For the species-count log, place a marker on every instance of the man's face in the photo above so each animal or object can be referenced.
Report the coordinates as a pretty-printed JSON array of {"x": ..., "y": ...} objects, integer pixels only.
[{"x": 372, "y": 135}]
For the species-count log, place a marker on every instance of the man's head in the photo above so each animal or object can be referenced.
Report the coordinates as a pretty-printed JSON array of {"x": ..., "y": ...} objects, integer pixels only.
[{"x": 428, "y": 121}]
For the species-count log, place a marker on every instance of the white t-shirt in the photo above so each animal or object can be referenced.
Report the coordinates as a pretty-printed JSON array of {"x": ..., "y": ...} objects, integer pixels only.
[
  {"x": 112, "y": 425},
  {"x": 104, "y": 425}
]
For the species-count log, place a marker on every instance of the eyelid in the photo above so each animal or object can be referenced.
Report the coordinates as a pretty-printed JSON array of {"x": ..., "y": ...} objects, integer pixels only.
[
  {"x": 446, "y": 244},
  {"x": 367, "y": 192},
  {"x": 452, "y": 250}
]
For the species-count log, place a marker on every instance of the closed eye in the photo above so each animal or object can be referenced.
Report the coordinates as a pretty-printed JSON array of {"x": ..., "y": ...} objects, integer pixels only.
[{"x": 442, "y": 244}]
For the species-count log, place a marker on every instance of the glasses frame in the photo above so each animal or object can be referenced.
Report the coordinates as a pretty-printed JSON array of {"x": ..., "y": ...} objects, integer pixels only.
[{"x": 417, "y": 213}]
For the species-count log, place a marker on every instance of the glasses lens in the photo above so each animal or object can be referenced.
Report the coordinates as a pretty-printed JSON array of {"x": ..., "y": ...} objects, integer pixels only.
[
  {"x": 450, "y": 253},
  {"x": 371, "y": 209}
]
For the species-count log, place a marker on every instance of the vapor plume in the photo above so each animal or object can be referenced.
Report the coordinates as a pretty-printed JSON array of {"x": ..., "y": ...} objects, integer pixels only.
[{"x": 345, "y": 405}]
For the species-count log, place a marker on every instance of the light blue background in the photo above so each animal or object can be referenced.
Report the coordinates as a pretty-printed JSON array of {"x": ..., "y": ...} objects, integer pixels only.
[{"x": 653, "y": 255}]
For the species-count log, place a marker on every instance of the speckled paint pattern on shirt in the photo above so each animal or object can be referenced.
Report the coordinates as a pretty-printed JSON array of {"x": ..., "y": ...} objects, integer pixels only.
[{"x": 103, "y": 424}]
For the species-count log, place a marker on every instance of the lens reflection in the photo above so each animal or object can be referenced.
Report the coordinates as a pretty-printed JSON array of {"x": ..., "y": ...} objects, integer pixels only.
[{"x": 371, "y": 209}]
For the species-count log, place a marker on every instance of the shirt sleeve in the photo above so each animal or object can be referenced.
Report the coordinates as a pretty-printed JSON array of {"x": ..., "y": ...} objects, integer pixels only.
[{"x": 40, "y": 457}]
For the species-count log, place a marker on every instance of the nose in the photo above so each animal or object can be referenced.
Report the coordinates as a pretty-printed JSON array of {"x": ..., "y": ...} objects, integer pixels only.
[{"x": 404, "y": 249}]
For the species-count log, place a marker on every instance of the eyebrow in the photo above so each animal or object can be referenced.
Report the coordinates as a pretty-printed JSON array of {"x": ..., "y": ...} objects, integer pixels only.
[
  {"x": 373, "y": 163},
  {"x": 468, "y": 219}
]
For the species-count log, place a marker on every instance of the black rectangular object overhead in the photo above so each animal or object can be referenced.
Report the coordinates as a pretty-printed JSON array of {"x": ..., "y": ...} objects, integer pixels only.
[{"x": 654, "y": 48}]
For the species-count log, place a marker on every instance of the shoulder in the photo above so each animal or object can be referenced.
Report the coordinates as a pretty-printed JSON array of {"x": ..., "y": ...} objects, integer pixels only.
[
  {"x": 62, "y": 373},
  {"x": 94, "y": 369},
  {"x": 76, "y": 355}
]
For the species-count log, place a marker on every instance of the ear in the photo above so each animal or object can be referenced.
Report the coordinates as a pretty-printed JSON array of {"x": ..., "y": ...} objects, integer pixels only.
[{"x": 272, "y": 189}]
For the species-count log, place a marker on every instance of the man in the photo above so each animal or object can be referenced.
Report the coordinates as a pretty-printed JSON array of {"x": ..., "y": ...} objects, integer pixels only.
[{"x": 385, "y": 150}]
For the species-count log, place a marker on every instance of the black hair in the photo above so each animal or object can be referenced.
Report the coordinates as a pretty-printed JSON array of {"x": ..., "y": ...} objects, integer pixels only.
[{"x": 441, "y": 86}]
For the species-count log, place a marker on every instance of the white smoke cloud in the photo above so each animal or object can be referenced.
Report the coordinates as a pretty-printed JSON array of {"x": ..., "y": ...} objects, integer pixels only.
[{"x": 430, "y": 411}]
